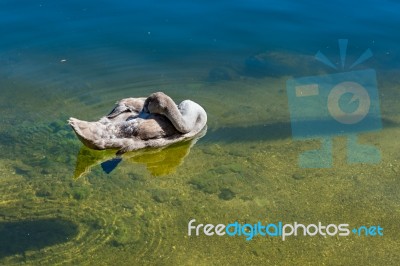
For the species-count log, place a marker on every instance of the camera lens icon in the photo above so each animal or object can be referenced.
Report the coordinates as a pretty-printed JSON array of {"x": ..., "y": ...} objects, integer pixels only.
[
  {"x": 335, "y": 104},
  {"x": 358, "y": 96},
  {"x": 341, "y": 104}
]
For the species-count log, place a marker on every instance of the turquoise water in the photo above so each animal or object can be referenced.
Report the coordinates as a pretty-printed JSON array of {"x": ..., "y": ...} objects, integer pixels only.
[{"x": 77, "y": 58}]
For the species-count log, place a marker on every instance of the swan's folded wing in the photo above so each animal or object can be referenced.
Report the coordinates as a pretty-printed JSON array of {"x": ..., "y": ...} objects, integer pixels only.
[
  {"x": 119, "y": 109},
  {"x": 133, "y": 105}
]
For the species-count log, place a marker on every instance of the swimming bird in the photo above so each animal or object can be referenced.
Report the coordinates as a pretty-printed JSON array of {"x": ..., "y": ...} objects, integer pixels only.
[{"x": 136, "y": 123}]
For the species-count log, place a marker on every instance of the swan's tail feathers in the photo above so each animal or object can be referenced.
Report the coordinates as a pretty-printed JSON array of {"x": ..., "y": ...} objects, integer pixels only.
[{"x": 92, "y": 134}]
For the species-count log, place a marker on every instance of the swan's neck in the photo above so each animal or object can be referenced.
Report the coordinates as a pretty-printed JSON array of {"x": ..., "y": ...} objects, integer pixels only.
[{"x": 186, "y": 117}]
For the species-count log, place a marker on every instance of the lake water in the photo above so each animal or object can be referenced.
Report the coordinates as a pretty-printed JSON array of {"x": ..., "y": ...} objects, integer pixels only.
[{"x": 77, "y": 58}]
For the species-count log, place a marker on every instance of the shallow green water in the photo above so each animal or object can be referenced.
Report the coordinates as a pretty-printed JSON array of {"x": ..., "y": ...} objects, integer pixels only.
[{"x": 245, "y": 169}]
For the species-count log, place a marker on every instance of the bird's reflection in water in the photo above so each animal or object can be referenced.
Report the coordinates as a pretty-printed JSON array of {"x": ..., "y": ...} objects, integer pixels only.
[{"x": 158, "y": 162}]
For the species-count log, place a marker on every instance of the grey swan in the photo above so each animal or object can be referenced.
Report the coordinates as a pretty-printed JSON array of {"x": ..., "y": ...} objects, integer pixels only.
[{"x": 137, "y": 123}]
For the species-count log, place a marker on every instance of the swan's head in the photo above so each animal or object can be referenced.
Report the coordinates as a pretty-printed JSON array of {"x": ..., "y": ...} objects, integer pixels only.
[{"x": 156, "y": 103}]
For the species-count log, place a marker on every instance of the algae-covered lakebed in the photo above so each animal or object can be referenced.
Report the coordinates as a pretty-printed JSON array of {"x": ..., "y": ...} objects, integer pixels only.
[{"x": 244, "y": 169}]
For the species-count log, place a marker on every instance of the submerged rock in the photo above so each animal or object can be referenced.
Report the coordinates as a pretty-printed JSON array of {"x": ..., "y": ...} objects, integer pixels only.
[
  {"x": 163, "y": 195},
  {"x": 298, "y": 176},
  {"x": 276, "y": 63},
  {"x": 226, "y": 194}
]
